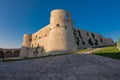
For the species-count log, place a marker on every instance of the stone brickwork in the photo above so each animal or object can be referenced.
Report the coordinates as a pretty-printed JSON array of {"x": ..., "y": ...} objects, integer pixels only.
[{"x": 60, "y": 36}]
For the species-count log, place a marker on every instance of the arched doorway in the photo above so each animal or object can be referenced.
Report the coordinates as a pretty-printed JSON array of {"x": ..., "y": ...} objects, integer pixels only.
[
  {"x": 16, "y": 53},
  {"x": 8, "y": 54},
  {"x": 1, "y": 54}
]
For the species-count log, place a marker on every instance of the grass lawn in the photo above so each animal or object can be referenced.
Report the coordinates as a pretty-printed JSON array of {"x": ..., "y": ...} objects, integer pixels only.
[{"x": 111, "y": 51}]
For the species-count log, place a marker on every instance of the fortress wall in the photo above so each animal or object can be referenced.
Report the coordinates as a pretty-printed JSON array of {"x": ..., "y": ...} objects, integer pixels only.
[
  {"x": 39, "y": 48},
  {"x": 107, "y": 41},
  {"x": 44, "y": 32},
  {"x": 60, "y": 36},
  {"x": 35, "y": 43},
  {"x": 85, "y": 39},
  {"x": 40, "y": 35},
  {"x": 39, "y": 42}
]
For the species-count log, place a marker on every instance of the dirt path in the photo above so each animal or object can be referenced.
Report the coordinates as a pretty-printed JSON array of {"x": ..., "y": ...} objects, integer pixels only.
[{"x": 91, "y": 51}]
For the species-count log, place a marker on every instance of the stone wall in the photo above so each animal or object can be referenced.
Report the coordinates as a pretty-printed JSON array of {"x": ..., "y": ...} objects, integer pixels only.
[
  {"x": 5, "y": 53},
  {"x": 85, "y": 39}
]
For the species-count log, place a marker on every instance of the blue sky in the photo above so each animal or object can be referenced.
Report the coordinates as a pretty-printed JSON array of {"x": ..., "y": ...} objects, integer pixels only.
[{"x": 18, "y": 17}]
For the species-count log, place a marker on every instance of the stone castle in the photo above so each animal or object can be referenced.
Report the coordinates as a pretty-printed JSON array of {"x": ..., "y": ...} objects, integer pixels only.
[{"x": 60, "y": 36}]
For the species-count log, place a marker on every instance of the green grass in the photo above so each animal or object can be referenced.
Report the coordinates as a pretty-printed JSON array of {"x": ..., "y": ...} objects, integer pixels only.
[{"x": 111, "y": 52}]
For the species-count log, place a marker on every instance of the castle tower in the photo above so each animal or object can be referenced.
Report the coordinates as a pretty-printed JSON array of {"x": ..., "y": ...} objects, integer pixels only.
[
  {"x": 26, "y": 45},
  {"x": 61, "y": 36}
]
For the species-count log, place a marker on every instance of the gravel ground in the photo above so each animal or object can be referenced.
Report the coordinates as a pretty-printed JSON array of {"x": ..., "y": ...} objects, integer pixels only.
[{"x": 64, "y": 67}]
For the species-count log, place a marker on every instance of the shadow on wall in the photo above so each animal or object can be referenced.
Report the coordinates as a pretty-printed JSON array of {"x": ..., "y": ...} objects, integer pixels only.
[
  {"x": 38, "y": 52},
  {"x": 32, "y": 51}
]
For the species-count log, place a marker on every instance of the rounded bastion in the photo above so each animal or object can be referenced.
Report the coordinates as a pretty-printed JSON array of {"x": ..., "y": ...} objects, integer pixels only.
[
  {"x": 59, "y": 17},
  {"x": 27, "y": 37}
]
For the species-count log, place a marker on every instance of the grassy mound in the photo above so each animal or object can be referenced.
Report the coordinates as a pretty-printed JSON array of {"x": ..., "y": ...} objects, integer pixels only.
[{"x": 111, "y": 51}]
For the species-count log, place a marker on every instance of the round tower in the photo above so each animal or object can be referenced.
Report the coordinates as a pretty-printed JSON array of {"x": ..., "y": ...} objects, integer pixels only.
[
  {"x": 61, "y": 36},
  {"x": 27, "y": 40},
  {"x": 26, "y": 45}
]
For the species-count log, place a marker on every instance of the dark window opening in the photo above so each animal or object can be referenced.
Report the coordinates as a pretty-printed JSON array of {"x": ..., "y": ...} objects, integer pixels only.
[
  {"x": 74, "y": 30},
  {"x": 74, "y": 34},
  {"x": 83, "y": 43},
  {"x": 80, "y": 34},
  {"x": 65, "y": 27},
  {"x": 93, "y": 35},
  {"x": 49, "y": 29},
  {"x": 77, "y": 41},
  {"x": 90, "y": 42},
  {"x": 96, "y": 42},
  {"x": 30, "y": 39},
  {"x": 101, "y": 40},
  {"x": 39, "y": 37},
  {"x": 87, "y": 34},
  {"x": 38, "y": 45},
  {"x": 57, "y": 25}
]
